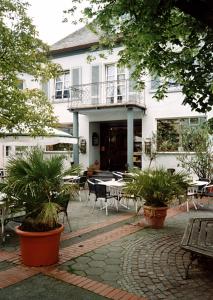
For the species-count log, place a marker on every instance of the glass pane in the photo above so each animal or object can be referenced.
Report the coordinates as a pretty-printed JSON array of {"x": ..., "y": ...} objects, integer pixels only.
[
  {"x": 95, "y": 89},
  {"x": 121, "y": 90},
  {"x": 121, "y": 77},
  {"x": 121, "y": 70},
  {"x": 95, "y": 74},
  {"x": 76, "y": 76},
  {"x": 168, "y": 135},
  {"x": 155, "y": 82},
  {"x": 66, "y": 94},
  {"x": 58, "y": 86},
  {"x": 58, "y": 94},
  {"x": 110, "y": 72}
]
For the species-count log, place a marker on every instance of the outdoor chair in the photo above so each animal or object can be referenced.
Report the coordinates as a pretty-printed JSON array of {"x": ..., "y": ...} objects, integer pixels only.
[
  {"x": 192, "y": 194},
  {"x": 102, "y": 194},
  {"x": 91, "y": 186},
  {"x": 81, "y": 182},
  {"x": 64, "y": 210},
  {"x": 207, "y": 191},
  {"x": 195, "y": 192}
]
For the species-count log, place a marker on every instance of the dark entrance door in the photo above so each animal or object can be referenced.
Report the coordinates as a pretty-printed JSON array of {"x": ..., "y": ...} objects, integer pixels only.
[{"x": 113, "y": 142}]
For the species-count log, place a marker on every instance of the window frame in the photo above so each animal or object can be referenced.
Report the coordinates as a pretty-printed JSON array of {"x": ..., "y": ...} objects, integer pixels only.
[{"x": 201, "y": 119}]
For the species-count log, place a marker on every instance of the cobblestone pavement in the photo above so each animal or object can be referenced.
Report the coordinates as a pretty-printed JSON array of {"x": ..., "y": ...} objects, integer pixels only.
[
  {"x": 107, "y": 257},
  {"x": 149, "y": 263}
]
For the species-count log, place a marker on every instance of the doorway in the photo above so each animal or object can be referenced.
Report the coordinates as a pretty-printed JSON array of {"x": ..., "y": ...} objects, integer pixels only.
[{"x": 113, "y": 145}]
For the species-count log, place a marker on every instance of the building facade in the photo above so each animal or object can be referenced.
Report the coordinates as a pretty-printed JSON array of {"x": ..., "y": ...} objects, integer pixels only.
[{"x": 116, "y": 125}]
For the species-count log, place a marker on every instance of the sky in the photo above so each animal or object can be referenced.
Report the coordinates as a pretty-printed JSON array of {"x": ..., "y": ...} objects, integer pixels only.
[{"x": 47, "y": 16}]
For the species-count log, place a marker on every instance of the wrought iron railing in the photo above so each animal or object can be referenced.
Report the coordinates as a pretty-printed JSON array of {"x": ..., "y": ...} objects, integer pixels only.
[{"x": 109, "y": 93}]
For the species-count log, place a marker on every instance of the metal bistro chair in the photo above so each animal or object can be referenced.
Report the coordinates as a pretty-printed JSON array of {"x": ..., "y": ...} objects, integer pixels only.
[
  {"x": 64, "y": 210},
  {"x": 194, "y": 192},
  {"x": 102, "y": 193},
  {"x": 91, "y": 187},
  {"x": 207, "y": 191},
  {"x": 81, "y": 182}
]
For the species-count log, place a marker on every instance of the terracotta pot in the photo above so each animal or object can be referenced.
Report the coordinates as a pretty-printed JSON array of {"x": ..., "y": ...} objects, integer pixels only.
[
  {"x": 155, "y": 216},
  {"x": 40, "y": 248}
]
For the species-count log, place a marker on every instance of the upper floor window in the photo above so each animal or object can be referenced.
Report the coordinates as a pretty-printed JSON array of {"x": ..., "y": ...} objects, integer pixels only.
[
  {"x": 62, "y": 85},
  {"x": 169, "y": 132},
  {"x": 156, "y": 81},
  {"x": 120, "y": 86}
]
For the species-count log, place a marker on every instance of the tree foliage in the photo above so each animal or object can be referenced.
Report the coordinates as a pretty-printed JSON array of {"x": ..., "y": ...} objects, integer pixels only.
[
  {"x": 22, "y": 52},
  {"x": 159, "y": 38},
  {"x": 198, "y": 145}
]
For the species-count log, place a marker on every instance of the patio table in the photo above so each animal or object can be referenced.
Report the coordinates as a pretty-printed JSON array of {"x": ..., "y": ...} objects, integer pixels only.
[
  {"x": 193, "y": 191},
  {"x": 115, "y": 187},
  {"x": 70, "y": 177}
]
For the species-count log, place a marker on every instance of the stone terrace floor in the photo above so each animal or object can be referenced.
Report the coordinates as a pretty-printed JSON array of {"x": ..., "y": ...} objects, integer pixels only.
[{"x": 110, "y": 257}]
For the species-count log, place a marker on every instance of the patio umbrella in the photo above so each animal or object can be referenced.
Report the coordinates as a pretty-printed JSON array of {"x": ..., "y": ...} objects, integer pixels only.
[{"x": 54, "y": 136}]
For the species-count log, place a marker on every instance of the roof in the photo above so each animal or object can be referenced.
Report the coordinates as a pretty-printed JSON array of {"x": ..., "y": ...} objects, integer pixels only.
[{"x": 80, "y": 39}]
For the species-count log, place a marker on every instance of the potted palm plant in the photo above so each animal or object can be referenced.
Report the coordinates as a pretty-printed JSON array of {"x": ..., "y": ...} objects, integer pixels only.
[
  {"x": 157, "y": 187},
  {"x": 36, "y": 184}
]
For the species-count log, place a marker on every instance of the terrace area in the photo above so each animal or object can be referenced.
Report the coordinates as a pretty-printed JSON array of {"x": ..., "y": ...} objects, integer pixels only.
[{"x": 111, "y": 257}]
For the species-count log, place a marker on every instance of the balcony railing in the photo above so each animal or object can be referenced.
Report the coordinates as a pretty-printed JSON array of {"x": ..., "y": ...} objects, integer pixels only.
[{"x": 102, "y": 94}]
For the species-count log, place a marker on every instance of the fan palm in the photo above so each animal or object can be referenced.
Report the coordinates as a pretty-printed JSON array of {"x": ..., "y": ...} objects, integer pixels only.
[{"x": 37, "y": 184}]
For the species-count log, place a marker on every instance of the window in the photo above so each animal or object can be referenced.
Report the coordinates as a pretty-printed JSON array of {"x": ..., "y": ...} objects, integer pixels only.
[
  {"x": 95, "y": 84},
  {"x": 156, "y": 81},
  {"x": 116, "y": 84},
  {"x": 62, "y": 85},
  {"x": 169, "y": 132},
  {"x": 8, "y": 150}
]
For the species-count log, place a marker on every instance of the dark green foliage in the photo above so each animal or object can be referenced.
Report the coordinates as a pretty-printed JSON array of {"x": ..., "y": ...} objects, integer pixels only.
[
  {"x": 157, "y": 187},
  {"x": 36, "y": 184},
  {"x": 160, "y": 38},
  {"x": 198, "y": 141},
  {"x": 22, "y": 52}
]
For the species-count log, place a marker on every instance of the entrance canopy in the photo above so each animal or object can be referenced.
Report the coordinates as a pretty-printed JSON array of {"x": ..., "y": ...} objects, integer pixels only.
[{"x": 54, "y": 136}]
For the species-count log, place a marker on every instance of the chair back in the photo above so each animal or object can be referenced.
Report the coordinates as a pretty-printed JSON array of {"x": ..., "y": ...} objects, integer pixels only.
[
  {"x": 91, "y": 185},
  {"x": 117, "y": 176},
  {"x": 100, "y": 190},
  {"x": 82, "y": 181}
]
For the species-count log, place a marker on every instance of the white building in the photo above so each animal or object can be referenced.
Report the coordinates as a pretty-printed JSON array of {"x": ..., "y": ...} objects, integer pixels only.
[
  {"x": 97, "y": 103},
  {"x": 114, "y": 120}
]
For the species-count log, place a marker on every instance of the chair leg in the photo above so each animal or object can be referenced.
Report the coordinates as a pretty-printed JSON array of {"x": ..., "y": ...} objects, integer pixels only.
[
  {"x": 68, "y": 221},
  {"x": 187, "y": 205},
  {"x": 106, "y": 208}
]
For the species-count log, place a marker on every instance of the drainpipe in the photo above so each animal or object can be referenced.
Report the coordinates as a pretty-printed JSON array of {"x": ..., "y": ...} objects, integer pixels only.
[
  {"x": 75, "y": 134},
  {"x": 130, "y": 137}
]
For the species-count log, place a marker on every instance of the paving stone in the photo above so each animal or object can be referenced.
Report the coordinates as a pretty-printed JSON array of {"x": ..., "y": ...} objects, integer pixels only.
[
  {"x": 98, "y": 263},
  {"x": 109, "y": 276},
  {"x": 95, "y": 271},
  {"x": 79, "y": 266},
  {"x": 84, "y": 260},
  {"x": 99, "y": 257}
]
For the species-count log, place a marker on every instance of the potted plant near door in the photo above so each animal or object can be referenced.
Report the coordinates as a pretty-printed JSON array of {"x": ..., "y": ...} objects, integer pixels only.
[
  {"x": 157, "y": 187},
  {"x": 36, "y": 184}
]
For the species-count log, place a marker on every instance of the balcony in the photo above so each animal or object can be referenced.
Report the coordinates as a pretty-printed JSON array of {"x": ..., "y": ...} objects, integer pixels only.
[{"x": 103, "y": 95}]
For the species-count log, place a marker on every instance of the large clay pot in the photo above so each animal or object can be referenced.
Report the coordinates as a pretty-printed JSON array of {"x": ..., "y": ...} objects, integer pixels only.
[
  {"x": 40, "y": 248},
  {"x": 155, "y": 216}
]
